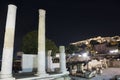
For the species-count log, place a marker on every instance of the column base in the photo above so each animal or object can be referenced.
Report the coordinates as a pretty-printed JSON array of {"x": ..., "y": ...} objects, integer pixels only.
[
  {"x": 12, "y": 78},
  {"x": 2, "y": 76},
  {"x": 42, "y": 75}
]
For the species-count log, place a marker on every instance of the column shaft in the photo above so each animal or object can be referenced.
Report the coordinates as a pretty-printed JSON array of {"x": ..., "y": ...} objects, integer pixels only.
[
  {"x": 7, "y": 55},
  {"x": 41, "y": 43},
  {"x": 62, "y": 59}
]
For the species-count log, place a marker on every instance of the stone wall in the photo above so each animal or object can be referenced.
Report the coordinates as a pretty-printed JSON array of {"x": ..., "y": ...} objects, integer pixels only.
[{"x": 114, "y": 63}]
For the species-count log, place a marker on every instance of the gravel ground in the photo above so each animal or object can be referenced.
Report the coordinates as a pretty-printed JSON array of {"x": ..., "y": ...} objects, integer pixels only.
[{"x": 106, "y": 75}]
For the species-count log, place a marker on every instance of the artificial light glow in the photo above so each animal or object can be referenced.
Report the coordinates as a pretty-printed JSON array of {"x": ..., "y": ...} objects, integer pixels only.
[
  {"x": 113, "y": 51},
  {"x": 79, "y": 55},
  {"x": 84, "y": 55},
  {"x": 57, "y": 55}
]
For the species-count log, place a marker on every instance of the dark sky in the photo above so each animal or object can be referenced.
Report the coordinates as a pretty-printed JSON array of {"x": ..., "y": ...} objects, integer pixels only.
[{"x": 66, "y": 20}]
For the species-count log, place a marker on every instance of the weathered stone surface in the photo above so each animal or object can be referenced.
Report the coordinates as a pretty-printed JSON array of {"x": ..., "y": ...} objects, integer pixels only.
[
  {"x": 7, "y": 57},
  {"x": 41, "y": 44}
]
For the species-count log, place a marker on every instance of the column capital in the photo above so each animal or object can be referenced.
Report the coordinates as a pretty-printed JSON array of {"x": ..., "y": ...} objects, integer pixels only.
[
  {"x": 13, "y": 6},
  {"x": 42, "y": 12}
]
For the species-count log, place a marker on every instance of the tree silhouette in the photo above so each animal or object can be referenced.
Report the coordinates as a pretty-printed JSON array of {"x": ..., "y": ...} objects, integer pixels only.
[
  {"x": 71, "y": 49},
  {"x": 30, "y": 44}
]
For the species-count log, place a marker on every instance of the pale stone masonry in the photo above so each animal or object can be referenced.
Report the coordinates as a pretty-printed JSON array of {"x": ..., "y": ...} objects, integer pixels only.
[
  {"x": 49, "y": 62},
  {"x": 41, "y": 44},
  {"x": 7, "y": 55},
  {"x": 62, "y": 59}
]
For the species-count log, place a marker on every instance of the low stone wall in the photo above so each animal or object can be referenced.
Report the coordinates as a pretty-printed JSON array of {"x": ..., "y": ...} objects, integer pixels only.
[{"x": 114, "y": 63}]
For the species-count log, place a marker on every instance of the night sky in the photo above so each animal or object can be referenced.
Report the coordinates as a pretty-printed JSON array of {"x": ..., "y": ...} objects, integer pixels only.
[{"x": 66, "y": 20}]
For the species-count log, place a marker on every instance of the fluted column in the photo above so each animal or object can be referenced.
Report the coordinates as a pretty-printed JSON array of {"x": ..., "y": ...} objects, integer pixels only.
[
  {"x": 62, "y": 59},
  {"x": 41, "y": 43},
  {"x": 7, "y": 55}
]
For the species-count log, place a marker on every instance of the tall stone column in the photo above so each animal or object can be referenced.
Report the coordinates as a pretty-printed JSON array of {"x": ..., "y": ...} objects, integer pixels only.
[
  {"x": 41, "y": 44},
  {"x": 7, "y": 56},
  {"x": 62, "y": 60}
]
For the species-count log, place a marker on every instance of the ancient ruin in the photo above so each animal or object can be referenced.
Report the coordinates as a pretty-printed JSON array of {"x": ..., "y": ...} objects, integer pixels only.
[{"x": 6, "y": 69}]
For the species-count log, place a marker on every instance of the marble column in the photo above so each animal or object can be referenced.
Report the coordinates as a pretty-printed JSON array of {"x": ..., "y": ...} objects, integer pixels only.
[
  {"x": 7, "y": 55},
  {"x": 41, "y": 44},
  {"x": 49, "y": 62},
  {"x": 62, "y": 59}
]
